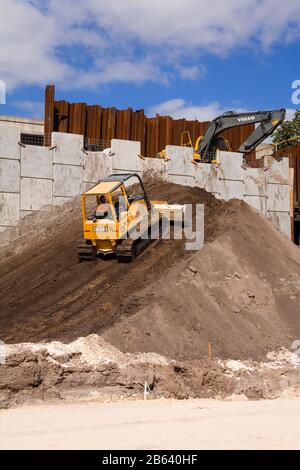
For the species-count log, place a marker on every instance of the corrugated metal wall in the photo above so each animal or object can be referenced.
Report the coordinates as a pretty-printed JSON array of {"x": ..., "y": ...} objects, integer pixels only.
[
  {"x": 97, "y": 123},
  {"x": 293, "y": 153}
]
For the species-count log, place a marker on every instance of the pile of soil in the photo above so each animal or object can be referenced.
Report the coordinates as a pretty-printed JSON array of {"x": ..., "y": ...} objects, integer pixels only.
[{"x": 241, "y": 291}]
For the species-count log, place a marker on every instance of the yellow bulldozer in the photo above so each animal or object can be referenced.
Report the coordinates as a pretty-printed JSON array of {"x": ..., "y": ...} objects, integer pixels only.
[{"x": 119, "y": 220}]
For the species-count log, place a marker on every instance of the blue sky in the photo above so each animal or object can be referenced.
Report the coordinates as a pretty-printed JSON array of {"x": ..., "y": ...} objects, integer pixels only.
[{"x": 192, "y": 59}]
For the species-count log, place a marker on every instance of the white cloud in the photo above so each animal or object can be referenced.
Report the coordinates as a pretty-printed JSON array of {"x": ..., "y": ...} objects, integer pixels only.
[
  {"x": 34, "y": 108},
  {"x": 132, "y": 40},
  {"x": 290, "y": 113},
  {"x": 206, "y": 24},
  {"x": 193, "y": 72},
  {"x": 26, "y": 46},
  {"x": 125, "y": 70},
  {"x": 179, "y": 109}
]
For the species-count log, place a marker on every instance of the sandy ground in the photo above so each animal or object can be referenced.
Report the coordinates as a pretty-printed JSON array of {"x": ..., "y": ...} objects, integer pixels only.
[{"x": 160, "y": 424}]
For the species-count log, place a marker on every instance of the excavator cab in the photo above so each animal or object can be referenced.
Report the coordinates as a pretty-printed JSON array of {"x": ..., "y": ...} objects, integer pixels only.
[{"x": 218, "y": 143}]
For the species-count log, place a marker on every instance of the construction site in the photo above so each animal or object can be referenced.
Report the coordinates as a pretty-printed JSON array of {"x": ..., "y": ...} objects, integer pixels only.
[{"x": 217, "y": 322}]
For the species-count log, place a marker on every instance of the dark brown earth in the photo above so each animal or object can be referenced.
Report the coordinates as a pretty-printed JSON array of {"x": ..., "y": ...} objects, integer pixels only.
[{"x": 242, "y": 291}]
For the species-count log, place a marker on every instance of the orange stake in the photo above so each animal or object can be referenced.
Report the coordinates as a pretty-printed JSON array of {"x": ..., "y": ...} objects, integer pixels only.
[{"x": 209, "y": 350}]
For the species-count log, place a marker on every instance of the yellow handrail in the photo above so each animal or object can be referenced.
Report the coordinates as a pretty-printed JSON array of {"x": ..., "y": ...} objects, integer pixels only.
[{"x": 285, "y": 141}]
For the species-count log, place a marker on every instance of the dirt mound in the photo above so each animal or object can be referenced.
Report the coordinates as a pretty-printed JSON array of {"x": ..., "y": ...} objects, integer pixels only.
[{"x": 241, "y": 291}]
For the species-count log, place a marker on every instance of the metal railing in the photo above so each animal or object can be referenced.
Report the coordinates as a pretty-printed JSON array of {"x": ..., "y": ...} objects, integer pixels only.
[
  {"x": 96, "y": 145},
  {"x": 41, "y": 140}
]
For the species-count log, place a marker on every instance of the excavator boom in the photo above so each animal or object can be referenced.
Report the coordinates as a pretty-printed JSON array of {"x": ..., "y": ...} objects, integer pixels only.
[{"x": 268, "y": 122}]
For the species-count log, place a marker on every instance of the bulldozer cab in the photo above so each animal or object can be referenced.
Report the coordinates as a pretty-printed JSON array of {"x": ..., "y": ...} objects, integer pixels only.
[
  {"x": 124, "y": 224},
  {"x": 110, "y": 208}
]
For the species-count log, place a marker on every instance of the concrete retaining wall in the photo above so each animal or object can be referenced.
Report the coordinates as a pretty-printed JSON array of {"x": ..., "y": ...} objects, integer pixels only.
[{"x": 36, "y": 178}]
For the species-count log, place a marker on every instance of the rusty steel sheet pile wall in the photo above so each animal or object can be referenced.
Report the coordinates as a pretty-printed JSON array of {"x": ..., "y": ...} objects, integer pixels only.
[
  {"x": 96, "y": 123},
  {"x": 293, "y": 153}
]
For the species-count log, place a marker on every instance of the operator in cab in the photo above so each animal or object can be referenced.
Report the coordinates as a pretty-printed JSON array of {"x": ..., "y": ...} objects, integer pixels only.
[{"x": 103, "y": 209}]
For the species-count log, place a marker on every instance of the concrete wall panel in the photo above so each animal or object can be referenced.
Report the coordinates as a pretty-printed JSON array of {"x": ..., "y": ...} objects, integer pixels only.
[
  {"x": 229, "y": 189},
  {"x": 35, "y": 194},
  {"x": 278, "y": 171},
  {"x": 25, "y": 213},
  {"x": 69, "y": 148},
  {"x": 230, "y": 165},
  {"x": 96, "y": 166},
  {"x": 58, "y": 201},
  {"x": 278, "y": 197},
  {"x": 182, "y": 180},
  {"x": 206, "y": 177},
  {"x": 282, "y": 221},
  {"x": 231, "y": 183},
  {"x": 9, "y": 138},
  {"x": 125, "y": 156},
  {"x": 156, "y": 167},
  {"x": 181, "y": 159},
  {"x": 8, "y": 234},
  {"x": 68, "y": 180},
  {"x": 258, "y": 203},
  {"x": 36, "y": 162},
  {"x": 87, "y": 186},
  {"x": 9, "y": 209},
  {"x": 10, "y": 176},
  {"x": 254, "y": 182}
]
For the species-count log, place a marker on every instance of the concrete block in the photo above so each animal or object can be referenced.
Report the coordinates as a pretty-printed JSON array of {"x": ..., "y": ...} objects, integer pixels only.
[
  {"x": 255, "y": 189},
  {"x": 278, "y": 197},
  {"x": 230, "y": 165},
  {"x": 126, "y": 156},
  {"x": 68, "y": 180},
  {"x": 181, "y": 159},
  {"x": 69, "y": 148},
  {"x": 206, "y": 177},
  {"x": 35, "y": 194},
  {"x": 264, "y": 150},
  {"x": 231, "y": 184},
  {"x": 8, "y": 234},
  {"x": 278, "y": 170},
  {"x": 257, "y": 202},
  {"x": 36, "y": 162},
  {"x": 9, "y": 138},
  {"x": 182, "y": 180},
  {"x": 87, "y": 186},
  {"x": 231, "y": 189},
  {"x": 10, "y": 176},
  {"x": 254, "y": 182},
  {"x": 121, "y": 172},
  {"x": 58, "y": 201},
  {"x": 155, "y": 167},
  {"x": 282, "y": 221},
  {"x": 9, "y": 209},
  {"x": 26, "y": 213},
  {"x": 96, "y": 166}
]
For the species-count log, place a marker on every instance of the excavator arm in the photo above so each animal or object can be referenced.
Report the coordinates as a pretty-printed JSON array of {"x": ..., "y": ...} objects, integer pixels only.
[{"x": 268, "y": 122}]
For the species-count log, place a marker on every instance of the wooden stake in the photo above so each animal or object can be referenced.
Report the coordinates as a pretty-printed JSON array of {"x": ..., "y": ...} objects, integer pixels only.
[{"x": 209, "y": 350}]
